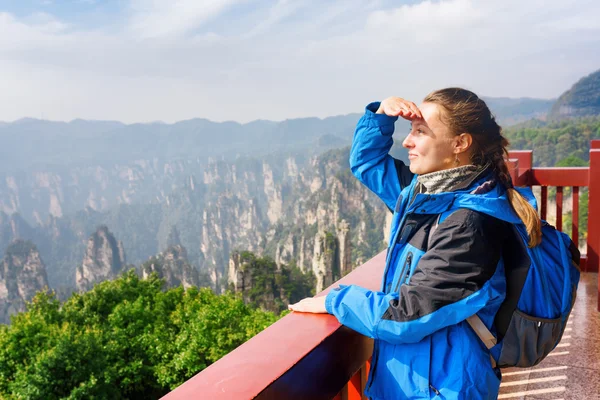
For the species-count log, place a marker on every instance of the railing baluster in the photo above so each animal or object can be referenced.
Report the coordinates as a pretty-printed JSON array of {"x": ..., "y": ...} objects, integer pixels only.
[
  {"x": 343, "y": 394},
  {"x": 575, "y": 216},
  {"x": 559, "y": 207},
  {"x": 544, "y": 201},
  {"x": 357, "y": 384}
]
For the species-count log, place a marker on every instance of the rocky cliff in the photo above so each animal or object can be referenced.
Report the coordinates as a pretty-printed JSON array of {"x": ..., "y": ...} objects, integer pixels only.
[
  {"x": 173, "y": 266},
  {"x": 104, "y": 259},
  {"x": 278, "y": 206},
  {"x": 22, "y": 274}
]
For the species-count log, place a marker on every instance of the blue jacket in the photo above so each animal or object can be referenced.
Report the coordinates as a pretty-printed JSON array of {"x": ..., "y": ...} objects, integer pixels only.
[{"x": 434, "y": 278}]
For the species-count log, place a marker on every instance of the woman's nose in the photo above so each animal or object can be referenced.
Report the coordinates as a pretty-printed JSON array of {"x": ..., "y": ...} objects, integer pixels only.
[{"x": 407, "y": 142}]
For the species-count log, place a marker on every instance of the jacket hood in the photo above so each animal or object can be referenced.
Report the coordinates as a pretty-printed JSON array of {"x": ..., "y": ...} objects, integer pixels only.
[{"x": 485, "y": 195}]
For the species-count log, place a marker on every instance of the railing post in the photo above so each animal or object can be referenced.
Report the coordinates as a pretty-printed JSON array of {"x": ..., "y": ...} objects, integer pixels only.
[
  {"x": 513, "y": 169},
  {"x": 522, "y": 168},
  {"x": 593, "y": 239}
]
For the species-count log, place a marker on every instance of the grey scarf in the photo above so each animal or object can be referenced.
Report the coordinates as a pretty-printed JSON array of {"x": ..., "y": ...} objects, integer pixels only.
[{"x": 446, "y": 179}]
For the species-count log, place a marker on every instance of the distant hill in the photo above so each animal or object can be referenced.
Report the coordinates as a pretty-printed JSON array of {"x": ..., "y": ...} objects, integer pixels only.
[
  {"x": 583, "y": 99},
  {"x": 512, "y": 111}
]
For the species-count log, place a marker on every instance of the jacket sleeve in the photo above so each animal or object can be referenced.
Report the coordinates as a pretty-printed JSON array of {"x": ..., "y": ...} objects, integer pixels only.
[
  {"x": 369, "y": 159},
  {"x": 451, "y": 282}
]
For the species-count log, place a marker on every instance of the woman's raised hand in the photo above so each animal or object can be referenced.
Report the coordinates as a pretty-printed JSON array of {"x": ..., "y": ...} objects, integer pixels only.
[{"x": 398, "y": 107}]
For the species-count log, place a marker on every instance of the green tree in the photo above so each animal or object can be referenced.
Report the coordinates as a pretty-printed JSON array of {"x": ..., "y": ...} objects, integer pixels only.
[{"x": 124, "y": 339}]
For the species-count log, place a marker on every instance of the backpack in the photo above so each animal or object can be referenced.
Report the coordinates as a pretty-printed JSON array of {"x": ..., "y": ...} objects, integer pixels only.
[{"x": 541, "y": 287}]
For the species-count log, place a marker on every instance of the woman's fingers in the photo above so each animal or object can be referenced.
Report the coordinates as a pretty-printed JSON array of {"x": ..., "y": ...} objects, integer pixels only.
[
  {"x": 398, "y": 107},
  {"x": 413, "y": 107}
]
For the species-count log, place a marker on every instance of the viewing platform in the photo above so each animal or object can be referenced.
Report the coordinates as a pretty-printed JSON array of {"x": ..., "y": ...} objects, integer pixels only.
[{"x": 311, "y": 356}]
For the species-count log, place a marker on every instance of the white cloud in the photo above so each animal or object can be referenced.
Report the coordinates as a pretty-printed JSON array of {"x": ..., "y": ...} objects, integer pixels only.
[
  {"x": 158, "y": 18},
  {"x": 185, "y": 59}
]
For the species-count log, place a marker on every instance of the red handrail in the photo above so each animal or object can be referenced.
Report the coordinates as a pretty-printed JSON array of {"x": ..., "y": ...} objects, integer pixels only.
[{"x": 301, "y": 355}]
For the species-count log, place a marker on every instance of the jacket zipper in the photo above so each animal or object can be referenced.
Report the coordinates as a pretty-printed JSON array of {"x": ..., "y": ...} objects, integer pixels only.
[
  {"x": 405, "y": 270},
  {"x": 387, "y": 262}
]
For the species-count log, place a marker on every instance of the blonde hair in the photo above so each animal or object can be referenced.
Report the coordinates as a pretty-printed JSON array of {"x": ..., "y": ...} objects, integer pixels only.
[{"x": 463, "y": 112}]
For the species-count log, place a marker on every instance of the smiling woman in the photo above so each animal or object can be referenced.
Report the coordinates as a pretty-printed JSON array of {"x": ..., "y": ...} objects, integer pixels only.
[{"x": 444, "y": 263}]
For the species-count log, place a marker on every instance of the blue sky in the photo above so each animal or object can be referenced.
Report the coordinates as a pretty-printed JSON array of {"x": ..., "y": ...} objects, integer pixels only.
[{"x": 148, "y": 60}]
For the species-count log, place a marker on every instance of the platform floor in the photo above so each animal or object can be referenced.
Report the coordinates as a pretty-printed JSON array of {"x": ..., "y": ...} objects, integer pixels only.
[{"x": 572, "y": 370}]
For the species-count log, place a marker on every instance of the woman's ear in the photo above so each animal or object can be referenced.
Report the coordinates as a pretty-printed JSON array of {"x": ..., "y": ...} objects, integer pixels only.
[{"x": 463, "y": 142}]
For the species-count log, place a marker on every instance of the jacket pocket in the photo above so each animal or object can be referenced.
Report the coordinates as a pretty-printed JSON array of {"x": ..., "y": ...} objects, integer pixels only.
[{"x": 529, "y": 339}]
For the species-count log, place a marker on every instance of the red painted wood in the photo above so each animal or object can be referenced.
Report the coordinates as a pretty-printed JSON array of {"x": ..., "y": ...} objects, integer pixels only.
[
  {"x": 559, "y": 207},
  {"x": 575, "y": 216},
  {"x": 593, "y": 242},
  {"x": 572, "y": 176},
  {"x": 525, "y": 158},
  {"x": 544, "y": 204},
  {"x": 255, "y": 365},
  {"x": 513, "y": 170},
  {"x": 522, "y": 169},
  {"x": 355, "y": 386},
  {"x": 583, "y": 263}
]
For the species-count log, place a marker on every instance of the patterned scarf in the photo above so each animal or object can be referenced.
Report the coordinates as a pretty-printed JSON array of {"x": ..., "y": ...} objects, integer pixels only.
[{"x": 446, "y": 179}]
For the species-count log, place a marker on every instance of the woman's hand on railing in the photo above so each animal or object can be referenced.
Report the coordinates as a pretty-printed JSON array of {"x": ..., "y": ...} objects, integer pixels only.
[{"x": 310, "y": 305}]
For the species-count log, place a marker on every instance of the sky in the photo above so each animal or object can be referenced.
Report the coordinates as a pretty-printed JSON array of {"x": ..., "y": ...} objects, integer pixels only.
[{"x": 243, "y": 60}]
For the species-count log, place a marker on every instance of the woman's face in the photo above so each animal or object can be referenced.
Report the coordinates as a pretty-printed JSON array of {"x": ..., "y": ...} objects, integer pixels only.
[{"x": 430, "y": 143}]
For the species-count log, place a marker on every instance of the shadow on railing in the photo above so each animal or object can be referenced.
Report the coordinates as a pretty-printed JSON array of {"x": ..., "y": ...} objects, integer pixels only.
[{"x": 308, "y": 356}]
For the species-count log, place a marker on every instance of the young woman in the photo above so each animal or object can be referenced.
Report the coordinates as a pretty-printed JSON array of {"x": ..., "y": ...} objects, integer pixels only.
[{"x": 453, "y": 206}]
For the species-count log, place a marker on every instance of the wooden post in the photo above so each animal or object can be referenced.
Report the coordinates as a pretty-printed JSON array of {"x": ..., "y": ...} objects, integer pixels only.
[
  {"x": 522, "y": 168},
  {"x": 593, "y": 240},
  {"x": 559, "y": 207},
  {"x": 513, "y": 169},
  {"x": 575, "y": 216}
]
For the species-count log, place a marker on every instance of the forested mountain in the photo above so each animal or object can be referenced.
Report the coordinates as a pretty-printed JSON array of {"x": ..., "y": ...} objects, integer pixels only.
[
  {"x": 510, "y": 111},
  {"x": 554, "y": 141},
  {"x": 582, "y": 99}
]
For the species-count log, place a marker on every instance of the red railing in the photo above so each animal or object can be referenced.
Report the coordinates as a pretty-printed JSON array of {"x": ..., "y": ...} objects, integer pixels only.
[
  {"x": 523, "y": 174},
  {"x": 307, "y": 356}
]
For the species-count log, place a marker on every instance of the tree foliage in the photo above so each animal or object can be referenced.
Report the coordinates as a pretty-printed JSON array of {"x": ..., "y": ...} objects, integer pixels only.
[
  {"x": 274, "y": 287},
  {"x": 124, "y": 339},
  {"x": 555, "y": 141}
]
